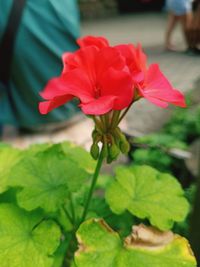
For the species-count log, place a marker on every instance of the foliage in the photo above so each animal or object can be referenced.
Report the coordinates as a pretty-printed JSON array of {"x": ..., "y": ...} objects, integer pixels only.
[
  {"x": 140, "y": 190},
  {"x": 46, "y": 181},
  {"x": 43, "y": 193}
]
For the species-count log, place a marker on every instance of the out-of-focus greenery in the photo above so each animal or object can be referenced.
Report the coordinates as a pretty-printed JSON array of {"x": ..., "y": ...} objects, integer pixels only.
[
  {"x": 154, "y": 150},
  {"x": 185, "y": 124},
  {"x": 183, "y": 227}
]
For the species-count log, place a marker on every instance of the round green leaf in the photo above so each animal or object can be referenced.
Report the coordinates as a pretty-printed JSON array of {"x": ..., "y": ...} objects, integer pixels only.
[
  {"x": 78, "y": 154},
  {"x": 25, "y": 239},
  {"x": 148, "y": 193},
  {"x": 46, "y": 180}
]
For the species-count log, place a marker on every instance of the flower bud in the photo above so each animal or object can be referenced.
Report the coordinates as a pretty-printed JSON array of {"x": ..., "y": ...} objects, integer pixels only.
[
  {"x": 124, "y": 146},
  {"x": 113, "y": 151},
  {"x": 94, "y": 151}
]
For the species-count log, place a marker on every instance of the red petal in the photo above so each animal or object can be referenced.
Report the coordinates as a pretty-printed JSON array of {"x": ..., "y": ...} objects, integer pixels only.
[
  {"x": 158, "y": 87},
  {"x": 84, "y": 58},
  {"x": 135, "y": 58},
  {"x": 69, "y": 62},
  {"x": 60, "y": 90},
  {"x": 141, "y": 58},
  {"x": 94, "y": 62},
  {"x": 118, "y": 84},
  {"x": 78, "y": 84},
  {"x": 55, "y": 87},
  {"x": 108, "y": 57},
  {"x": 157, "y": 101},
  {"x": 98, "y": 106},
  {"x": 47, "y": 106},
  {"x": 99, "y": 42}
]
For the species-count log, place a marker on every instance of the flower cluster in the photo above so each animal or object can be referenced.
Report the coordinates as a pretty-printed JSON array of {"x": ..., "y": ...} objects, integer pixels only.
[{"x": 107, "y": 79}]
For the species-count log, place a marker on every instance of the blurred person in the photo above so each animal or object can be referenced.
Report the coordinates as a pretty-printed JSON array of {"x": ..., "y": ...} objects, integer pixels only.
[
  {"x": 180, "y": 11},
  {"x": 33, "y": 36},
  {"x": 193, "y": 32}
]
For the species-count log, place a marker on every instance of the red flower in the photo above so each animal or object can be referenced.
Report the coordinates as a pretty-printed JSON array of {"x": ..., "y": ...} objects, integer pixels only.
[
  {"x": 96, "y": 77},
  {"x": 104, "y": 78},
  {"x": 150, "y": 82}
]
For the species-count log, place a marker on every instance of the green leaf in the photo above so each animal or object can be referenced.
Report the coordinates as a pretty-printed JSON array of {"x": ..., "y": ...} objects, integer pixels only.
[
  {"x": 79, "y": 155},
  {"x": 73, "y": 152},
  {"x": 8, "y": 158},
  {"x": 100, "y": 246},
  {"x": 25, "y": 239},
  {"x": 9, "y": 196},
  {"x": 148, "y": 193},
  {"x": 38, "y": 148},
  {"x": 46, "y": 180}
]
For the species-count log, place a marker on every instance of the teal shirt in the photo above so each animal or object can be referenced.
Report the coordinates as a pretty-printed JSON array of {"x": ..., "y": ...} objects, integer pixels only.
[{"x": 47, "y": 29}]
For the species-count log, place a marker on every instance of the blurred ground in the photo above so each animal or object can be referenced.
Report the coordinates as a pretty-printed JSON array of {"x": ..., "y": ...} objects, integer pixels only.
[{"x": 181, "y": 68}]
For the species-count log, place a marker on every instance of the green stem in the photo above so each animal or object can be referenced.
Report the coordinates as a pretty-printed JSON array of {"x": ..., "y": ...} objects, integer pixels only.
[
  {"x": 126, "y": 110},
  {"x": 115, "y": 119},
  {"x": 94, "y": 180},
  {"x": 102, "y": 118},
  {"x": 68, "y": 215},
  {"x": 98, "y": 124},
  {"x": 72, "y": 208}
]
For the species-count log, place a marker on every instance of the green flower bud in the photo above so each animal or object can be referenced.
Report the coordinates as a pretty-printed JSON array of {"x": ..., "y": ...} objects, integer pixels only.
[
  {"x": 94, "y": 151},
  {"x": 116, "y": 137},
  {"x": 124, "y": 146},
  {"x": 113, "y": 151},
  {"x": 121, "y": 141}
]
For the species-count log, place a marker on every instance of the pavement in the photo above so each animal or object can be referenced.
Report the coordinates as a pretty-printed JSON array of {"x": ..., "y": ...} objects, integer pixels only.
[{"x": 182, "y": 69}]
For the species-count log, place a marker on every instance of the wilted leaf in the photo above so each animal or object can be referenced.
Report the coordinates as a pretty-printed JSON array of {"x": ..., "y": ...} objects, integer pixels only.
[
  {"x": 100, "y": 246},
  {"x": 147, "y": 193}
]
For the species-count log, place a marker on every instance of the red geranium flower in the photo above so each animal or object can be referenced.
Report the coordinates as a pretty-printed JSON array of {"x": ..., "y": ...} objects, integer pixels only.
[
  {"x": 150, "y": 82},
  {"x": 96, "y": 77},
  {"x": 104, "y": 78}
]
